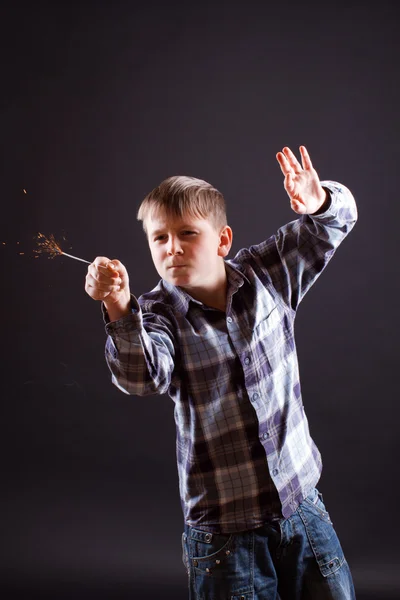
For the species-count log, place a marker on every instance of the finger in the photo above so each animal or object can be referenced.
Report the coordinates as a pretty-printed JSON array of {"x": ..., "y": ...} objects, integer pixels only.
[
  {"x": 289, "y": 184},
  {"x": 305, "y": 158},
  {"x": 101, "y": 261},
  {"x": 106, "y": 265},
  {"x": 108, "y": 270},
  {"x": 283, "y": 163},
  {"x": 116, "y": 266},
  {"x": 93, "y": 290},
  {"x": 103, "y": 276},
  {"x": 94, "y": 293},
  {"x": 294, "y": 163},
  {"x": 109, "y": 285}
]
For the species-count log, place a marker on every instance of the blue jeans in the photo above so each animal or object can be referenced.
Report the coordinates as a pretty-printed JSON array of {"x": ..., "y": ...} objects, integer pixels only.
[{"x": 299, "y": 558}]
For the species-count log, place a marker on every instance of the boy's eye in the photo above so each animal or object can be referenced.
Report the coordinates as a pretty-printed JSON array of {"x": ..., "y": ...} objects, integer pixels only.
[{"x": 162, "y": 237}]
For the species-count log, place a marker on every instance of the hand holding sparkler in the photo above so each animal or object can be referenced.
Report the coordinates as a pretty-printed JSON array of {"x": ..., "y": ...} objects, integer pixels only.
[{"x": 107, "y": 280}]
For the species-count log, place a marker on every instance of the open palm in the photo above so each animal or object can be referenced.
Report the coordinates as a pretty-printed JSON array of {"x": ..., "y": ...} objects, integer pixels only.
[{"x": 301, "y": 182}]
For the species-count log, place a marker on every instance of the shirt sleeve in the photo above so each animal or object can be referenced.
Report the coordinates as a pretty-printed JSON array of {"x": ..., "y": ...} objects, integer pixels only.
[
  {"x": 140, "y": 351},
  {"x": 298, "y": 253}
]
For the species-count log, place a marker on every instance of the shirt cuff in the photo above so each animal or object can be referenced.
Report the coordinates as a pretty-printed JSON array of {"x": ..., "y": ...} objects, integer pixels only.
[
  {"x": 331, "y": 205},
  {"x": 126, "y": 323}
]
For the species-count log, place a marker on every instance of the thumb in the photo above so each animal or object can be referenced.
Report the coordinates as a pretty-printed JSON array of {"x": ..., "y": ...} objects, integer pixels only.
[{"x": 112, "y": 268}]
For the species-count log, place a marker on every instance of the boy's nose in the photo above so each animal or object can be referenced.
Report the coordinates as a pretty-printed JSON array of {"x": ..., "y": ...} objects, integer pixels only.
[{"x": 174, "y": 247}]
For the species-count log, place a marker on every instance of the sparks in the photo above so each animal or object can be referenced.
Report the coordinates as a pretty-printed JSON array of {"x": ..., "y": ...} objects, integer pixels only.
[{"x": 51, "y": 247}]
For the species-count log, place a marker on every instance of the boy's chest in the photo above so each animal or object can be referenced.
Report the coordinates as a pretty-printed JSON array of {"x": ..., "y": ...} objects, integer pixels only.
[{"x": 218, "y": 349}]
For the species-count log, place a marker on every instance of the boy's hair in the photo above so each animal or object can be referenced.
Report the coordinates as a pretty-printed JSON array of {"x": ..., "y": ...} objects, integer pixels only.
[{"x": 181, "y": 195}]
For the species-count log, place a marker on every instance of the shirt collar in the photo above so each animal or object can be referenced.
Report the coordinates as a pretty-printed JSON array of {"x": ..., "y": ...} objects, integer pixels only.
[{"x": 181, "y": 299}]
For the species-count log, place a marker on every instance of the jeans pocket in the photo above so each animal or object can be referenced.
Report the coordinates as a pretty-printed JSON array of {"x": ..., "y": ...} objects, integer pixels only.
[
  {"x": 315, "y": 500},
  {"x": 209, "y": 550},
  {"x": 185, "y": 558},
  {"x": 321, "y": 535},
  {"x": 221, "y": 565}
]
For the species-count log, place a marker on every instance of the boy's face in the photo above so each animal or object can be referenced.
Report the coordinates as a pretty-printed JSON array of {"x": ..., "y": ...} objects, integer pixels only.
[{"x": 188, "y": 251}]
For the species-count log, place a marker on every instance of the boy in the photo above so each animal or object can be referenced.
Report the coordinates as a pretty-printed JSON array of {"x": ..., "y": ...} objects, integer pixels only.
[{"x": 217, "y": 335}]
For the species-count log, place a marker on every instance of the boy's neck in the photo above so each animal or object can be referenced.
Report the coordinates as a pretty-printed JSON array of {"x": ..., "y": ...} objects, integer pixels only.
[{"x": 214, "y": 297}]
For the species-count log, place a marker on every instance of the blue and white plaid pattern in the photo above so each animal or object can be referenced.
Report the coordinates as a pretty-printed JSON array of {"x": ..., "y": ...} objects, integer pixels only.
[{"x": 244, "y": 450}]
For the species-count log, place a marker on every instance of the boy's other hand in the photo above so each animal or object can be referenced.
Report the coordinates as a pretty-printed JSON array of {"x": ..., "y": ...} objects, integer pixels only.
[
  {"x": 107, "y": 280},
  {"x": 301, "y": 182}
]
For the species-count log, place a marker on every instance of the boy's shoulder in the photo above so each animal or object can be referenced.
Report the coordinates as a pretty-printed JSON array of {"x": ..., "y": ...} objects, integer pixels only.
[
  {"x": 164, "y": 298},
  {"x": 247, "y": 261}
]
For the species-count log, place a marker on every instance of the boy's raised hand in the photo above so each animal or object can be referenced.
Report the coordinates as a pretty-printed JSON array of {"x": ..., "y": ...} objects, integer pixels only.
[
  {"x": 107, "y": 280},
  {"x": 301, "y": 182}
]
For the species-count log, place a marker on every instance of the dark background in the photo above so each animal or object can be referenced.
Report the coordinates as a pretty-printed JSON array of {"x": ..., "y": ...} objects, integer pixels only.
[{"x": 99, "y": 103}]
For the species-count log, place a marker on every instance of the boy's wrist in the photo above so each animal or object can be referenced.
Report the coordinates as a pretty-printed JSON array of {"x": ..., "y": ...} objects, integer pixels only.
[
  {"x": 325, "y": 202},
  {"x": 119, "y": 309}
]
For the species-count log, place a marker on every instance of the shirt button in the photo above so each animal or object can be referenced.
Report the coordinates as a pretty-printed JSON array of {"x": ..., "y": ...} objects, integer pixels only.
[
  {"x": 265, "y": 435},
  {"x": 275, "y": 472},
  {"x": 255, "y": 396},
  {"x": 229, "y": 319},
  {"x": 247, "y": 360}
]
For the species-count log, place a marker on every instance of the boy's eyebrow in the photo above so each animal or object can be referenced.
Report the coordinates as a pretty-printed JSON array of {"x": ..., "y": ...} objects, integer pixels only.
[
  {"x": 156, "y": 232},
  {"x": 182, "y": 226}
]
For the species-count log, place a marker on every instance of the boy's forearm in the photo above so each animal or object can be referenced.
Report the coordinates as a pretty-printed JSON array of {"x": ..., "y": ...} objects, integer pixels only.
[{"x": 141, "y": 364}]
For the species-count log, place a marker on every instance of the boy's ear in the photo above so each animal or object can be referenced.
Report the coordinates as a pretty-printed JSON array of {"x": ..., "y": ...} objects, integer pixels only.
[{"x": 225, "y": 241}]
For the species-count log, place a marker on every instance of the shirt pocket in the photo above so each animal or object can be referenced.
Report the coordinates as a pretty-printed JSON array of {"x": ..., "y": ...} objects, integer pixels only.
[{"x": 273, "y": 338}]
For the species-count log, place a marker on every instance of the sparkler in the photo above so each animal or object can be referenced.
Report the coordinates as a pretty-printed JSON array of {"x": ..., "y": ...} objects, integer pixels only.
[{"x": 52, "y": 247}]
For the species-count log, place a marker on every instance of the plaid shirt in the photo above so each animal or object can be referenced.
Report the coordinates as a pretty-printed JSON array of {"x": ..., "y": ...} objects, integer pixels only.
[{"x": 244, "y": 450}]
